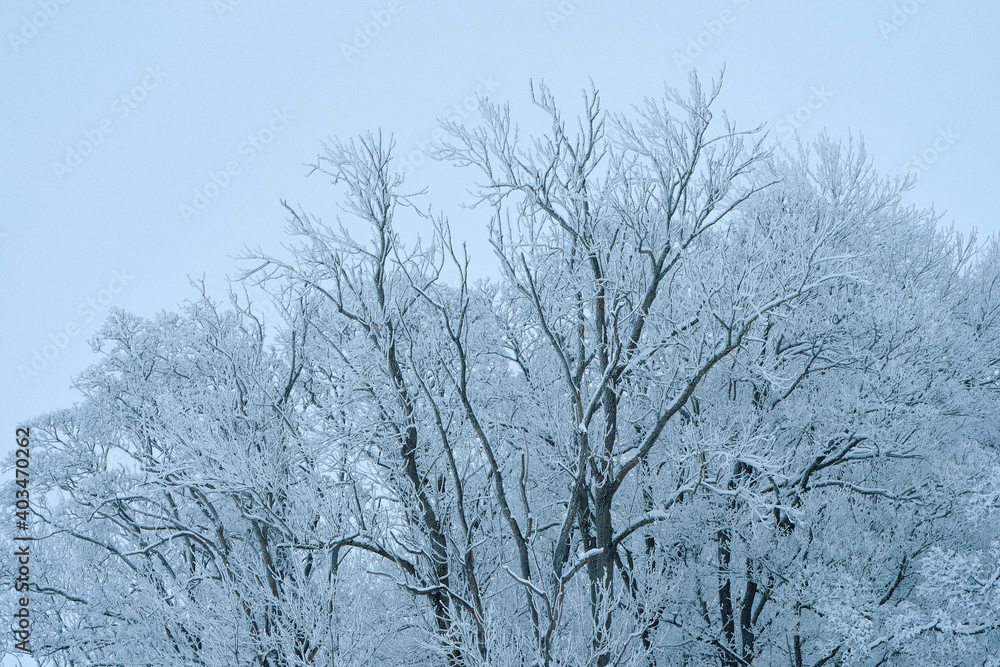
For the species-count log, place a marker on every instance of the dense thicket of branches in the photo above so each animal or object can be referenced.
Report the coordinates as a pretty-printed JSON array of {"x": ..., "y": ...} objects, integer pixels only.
[{"x": 722, "y": 407}]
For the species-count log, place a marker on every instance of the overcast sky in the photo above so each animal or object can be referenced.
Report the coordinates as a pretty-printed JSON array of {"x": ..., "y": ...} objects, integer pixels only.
[{"x": 144, "y": 143}]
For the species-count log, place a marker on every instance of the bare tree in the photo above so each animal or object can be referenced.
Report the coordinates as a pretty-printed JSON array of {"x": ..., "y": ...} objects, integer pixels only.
[{"x": 719, "y": 408}]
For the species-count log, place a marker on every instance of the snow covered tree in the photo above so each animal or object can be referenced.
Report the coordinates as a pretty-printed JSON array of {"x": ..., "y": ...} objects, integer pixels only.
[{"x": 720, "y": 407}]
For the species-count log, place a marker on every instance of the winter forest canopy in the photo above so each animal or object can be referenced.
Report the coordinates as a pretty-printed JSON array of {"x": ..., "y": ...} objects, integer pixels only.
[{"x": 721, "y": 406}]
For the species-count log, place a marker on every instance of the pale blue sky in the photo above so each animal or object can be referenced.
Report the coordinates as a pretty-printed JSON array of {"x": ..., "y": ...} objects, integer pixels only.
[{"x": 166, "y": 94}]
